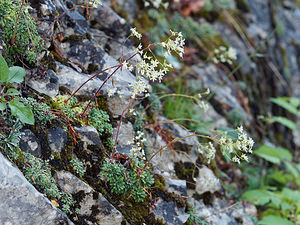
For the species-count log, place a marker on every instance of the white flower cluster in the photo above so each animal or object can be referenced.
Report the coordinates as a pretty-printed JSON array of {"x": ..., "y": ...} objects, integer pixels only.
[
  {"x": 134, "y": 33},
  {"x": 224, "y": 55},
  {"x": 208, "y": 150},
  {"x": 175, "y": 45},
  {"x": 113, "y": 90},
  {"x": 239, "y": 148},
  {"x": 201, "y": 103},
  {"x": 139, "y": 87},
  {"x": 156, "y": 3},
  {"x": 149, "y": 67},
  {"x": 94, "y": 3},
  {"x": 137, "y": 149}
]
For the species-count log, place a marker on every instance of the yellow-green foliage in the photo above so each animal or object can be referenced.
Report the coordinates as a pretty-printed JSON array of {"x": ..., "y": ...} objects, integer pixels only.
[{"x": 96, "y": 117}]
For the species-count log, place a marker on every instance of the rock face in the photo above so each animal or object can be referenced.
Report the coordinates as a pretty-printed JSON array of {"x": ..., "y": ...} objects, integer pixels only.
[
  {"x": 30, "y": 144},
  {"x": 218, "y": 211},
  {"x": 170, "y": 213},
  {"x": 57, "y": 138},
  {"x": 21, "y": 203},
  {"x": 90, "y": 45},
  {"x": 47, "y": 84},
  {"x": 92, "y": 202}
]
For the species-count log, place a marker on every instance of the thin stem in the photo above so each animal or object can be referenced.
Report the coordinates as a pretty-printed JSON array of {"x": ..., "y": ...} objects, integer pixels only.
[
  {"x": 92, "y": 77},
  {"x": 95, "y": 95},
  {"x": 117, "y": 135},
  {"x": 173, "y": 141},
  {"x": 12, "y": 40},
  {"x": 167, "y": 95}
]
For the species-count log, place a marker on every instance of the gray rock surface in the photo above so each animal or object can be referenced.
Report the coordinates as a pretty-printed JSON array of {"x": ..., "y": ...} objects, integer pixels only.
[
  {"x": 206, "y": 181},
  {"x": 30, "y": 144},
  {"x": 220, "y": 212},
  {"x": 126, "y": 133},
  {"x": 89, "y": 135},
  {"x": 57, "y": 138},
  {"x": 21, "y": 203},
  {"x": 106, "y": 214},
  {"x": 170, "y": 213},
  {"x": 176, "y": 186},
  {"x": 47, "y": 84},
  {"x": 184, "y": 150}
]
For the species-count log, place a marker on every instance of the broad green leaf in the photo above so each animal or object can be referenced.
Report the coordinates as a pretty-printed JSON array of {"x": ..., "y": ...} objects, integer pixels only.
[
  {"x": 2, "y": 106},
  {"x": 274, "y": 220},
  {"x": 290, "y": 167},
  {"x": 258, "y": 197},
  {"x": 4, "y": 70},
  {"x": 23, "y": 112},
  {"x": 295, "y": 101},
  {"x": 272, "y": 154},
  {"x": 12, "y": 91},
  {"x": 16, "y": 74},
  {"x": 280, "y": 176},
  {"x": 291, "y": 194},
  {"x": 286, "y": 206},
  {"x": 284, "y": 103},
  {"x": 284, "y": 121}
]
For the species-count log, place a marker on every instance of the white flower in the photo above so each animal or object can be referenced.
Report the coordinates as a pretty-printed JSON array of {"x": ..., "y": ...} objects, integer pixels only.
[
  {"x": 240, "y": 129},
  {"x": 94, "y": 3},
  {"x": 125, "y": 65},
  {"x": 111, "y": 91},
  {"x": 231, "y": 52},
  {"x": 222, "y": 140},
  {"x": 236, "y": 159},
  {"x": 224, "y": 55},
  {"x": 135, "y": 33},
  {"x": 203, "y": 105},
  {"x": 174, "y": 45},
  {"x": 244, "y": 157},
  {"x": 139, "y": 87}
]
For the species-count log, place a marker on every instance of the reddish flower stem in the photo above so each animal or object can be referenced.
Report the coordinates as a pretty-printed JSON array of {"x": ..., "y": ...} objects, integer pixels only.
[
  {"x": 117, "y": 135},
  {"x": 99, "y": 89},
  {"x": 92, "y": 77}
]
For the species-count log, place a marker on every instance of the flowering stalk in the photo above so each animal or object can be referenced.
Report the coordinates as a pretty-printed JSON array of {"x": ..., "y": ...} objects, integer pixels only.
[{"x": 118, "y": 130}]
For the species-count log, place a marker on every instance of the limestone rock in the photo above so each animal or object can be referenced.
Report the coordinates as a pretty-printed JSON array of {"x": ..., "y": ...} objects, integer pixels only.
[
  {"x": 57, "y": 138},
  {"x": 21, "y": 203},
  {"x": 170, "y": 213},
  {"x": 219, "y": 211},
  {"x": 106, "y": 214},
  {"x": 47, "y": 84},
  {"x": 30, "y": 144}
]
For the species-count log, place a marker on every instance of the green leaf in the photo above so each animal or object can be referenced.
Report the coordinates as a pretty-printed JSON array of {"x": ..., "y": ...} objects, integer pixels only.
[
  {"x": 12, "y": 91},
  {"x": 2, "y": 106},
  {"x": 284, "y": 103},
  {"x": 272, "y": 154},
  {"x": 291, "y": 168},
  {"x": 257, "y": 197},
  {"x": 291, "y": 195},
  {"x": 23, "y": 112},
  {"x": 4, "y": 71},
  {"x": 274, "y": 220},
  {"x": 16, "y": 74},
  {"x": 295, "y": 101},
  {"x": 284, "y": 121}
]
